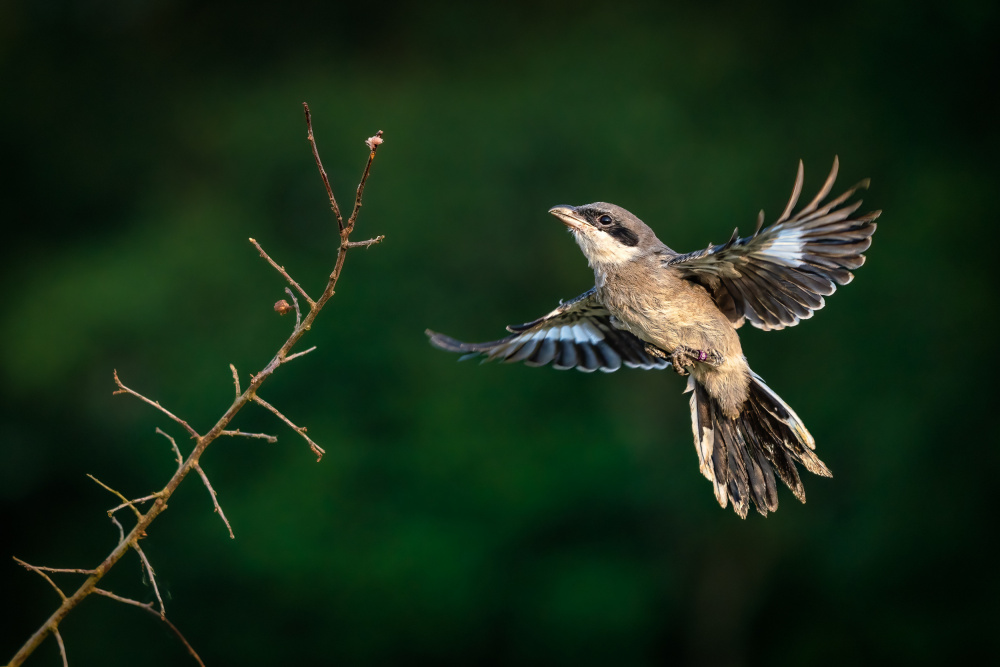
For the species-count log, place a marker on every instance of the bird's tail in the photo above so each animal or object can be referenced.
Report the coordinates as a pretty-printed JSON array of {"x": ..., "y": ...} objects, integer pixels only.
[{"x": 740, "y": 456}]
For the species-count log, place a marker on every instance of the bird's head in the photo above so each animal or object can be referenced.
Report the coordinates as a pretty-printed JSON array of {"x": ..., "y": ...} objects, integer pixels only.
[{"x": 606, "y": 233}]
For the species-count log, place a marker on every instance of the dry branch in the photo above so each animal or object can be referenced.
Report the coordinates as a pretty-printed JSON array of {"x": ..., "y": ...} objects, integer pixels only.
[
  {"x": 299, "y": 354},
  {"x": 152, "y": 577},
  {"x": 303, "y": 324},
  {"x": 122, "y": 389},
  {"x": 40, "y": 571},
  {"x": 281, "y": 270},
  {"x": 148, "y": 606},
  {"x": 215, "y": 500},
  {"x": 62, "y": 647},
  {"x": 301, "y": 430},
  {"x": 173, "y": 445},
  {"x": 258, "y": 436},
  {"x": 298, "y": 313},
  {"x": 236, "y": 380}
]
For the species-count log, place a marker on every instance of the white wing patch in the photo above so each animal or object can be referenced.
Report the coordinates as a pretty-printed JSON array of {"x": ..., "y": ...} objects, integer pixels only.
[{"x": 779, "y": 275}]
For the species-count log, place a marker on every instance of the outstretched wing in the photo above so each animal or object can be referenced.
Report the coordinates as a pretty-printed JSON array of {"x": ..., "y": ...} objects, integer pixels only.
[
  {"x": 780, "y": 275},
  {"x": 578, "y": 334}
]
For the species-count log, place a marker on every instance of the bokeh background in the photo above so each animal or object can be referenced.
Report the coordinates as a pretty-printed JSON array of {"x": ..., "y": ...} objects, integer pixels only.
[{"x": 490, "y": 514}]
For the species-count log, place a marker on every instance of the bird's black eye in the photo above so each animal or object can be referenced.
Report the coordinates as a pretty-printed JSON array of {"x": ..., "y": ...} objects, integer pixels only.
[{"x": 604, "y": 219}]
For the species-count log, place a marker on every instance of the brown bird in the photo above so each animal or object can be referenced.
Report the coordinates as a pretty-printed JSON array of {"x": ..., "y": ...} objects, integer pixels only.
[{"x": 651, "y": 307}]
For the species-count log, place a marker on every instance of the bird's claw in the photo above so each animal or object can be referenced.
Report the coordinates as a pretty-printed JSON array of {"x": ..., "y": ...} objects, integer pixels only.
[
  {"x": 654, "y": 351},
  {"x": 685, "y": 357}
]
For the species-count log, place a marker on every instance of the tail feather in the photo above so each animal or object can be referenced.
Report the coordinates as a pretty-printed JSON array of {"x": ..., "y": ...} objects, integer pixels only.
[
  {"x": 740, "y": 456},
  {"x": 711, "y": 450},
  {"x": 762, "y": 476},
  {"x": 780, "y": 457},
  {"x": 738, "y": 487}
]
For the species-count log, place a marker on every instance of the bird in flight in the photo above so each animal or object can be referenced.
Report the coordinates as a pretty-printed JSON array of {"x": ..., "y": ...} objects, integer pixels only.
[{"x": 654, "y": 308}]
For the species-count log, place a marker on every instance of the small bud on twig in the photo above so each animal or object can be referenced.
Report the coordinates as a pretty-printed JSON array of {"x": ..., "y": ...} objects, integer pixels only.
[
  {"x": 372, "y": 142},
  {"x": 282, "y": 307}
]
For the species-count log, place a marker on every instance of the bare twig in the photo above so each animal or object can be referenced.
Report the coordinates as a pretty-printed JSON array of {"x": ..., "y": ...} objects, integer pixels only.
[
  {"x": 319, "y": 165},
  {"x": 244, "y": 434},
  {"x": 152, "y": 576},
  {"x": 184, "y": 641},
  {"x": 301, "y": 430},
  {"x": 365, "y": 244},
  {"x": 298, "y": 313},
  {"x": 281, "y": 270},
  {"x": 299, "y": 354},
  {"x": 58, "y": 570},
  {"x": 236, "y": 380},
  {"x": 173, "y": 443},
  {"x": 191, "y": 462},
  {"x": 373, "y": 144},
  {"x": 62, "y": 647},
  {"x": 125, "y": 501},
  {"x": 122, "y": 389},
  {"x": 148, "y": 606},
  {"x": 121, "y": 533},
  {"x": 40, "y": 571},
  {"x": 131, "y": 503},
  {"x": 215, "y": 500}
]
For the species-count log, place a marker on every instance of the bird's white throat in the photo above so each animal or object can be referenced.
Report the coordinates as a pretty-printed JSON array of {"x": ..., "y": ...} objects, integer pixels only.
[{"x": 600, "y": 248}]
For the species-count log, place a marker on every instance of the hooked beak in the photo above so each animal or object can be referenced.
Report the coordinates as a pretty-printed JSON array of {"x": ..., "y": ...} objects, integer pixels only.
[{"x": 569, "y": 216}]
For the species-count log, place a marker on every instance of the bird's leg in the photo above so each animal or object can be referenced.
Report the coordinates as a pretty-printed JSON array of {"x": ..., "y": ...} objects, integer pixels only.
[
  {"x": 684, "y": 357},
  {"x": 713, "y": 358}
]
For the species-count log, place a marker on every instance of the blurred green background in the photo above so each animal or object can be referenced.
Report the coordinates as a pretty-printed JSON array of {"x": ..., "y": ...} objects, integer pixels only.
[{"x": 491, "y": 514}]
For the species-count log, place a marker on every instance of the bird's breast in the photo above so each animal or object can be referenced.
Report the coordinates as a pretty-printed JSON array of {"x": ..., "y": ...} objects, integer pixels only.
[{"x": 661, "y": 308}]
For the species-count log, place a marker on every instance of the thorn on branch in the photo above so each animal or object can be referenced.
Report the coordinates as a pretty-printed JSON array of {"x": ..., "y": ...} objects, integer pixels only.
[{"x": 317, "y": 450}]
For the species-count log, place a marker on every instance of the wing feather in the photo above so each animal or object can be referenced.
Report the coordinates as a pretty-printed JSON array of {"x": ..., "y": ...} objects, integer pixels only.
[
  {"x": 578, "y": 334},
  {"x": 780, "y": 274}
]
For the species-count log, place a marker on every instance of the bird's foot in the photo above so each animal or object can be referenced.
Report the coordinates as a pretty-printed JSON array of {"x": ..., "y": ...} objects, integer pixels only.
[
  {"x": 654, "y": 351},
  {"x": 685, "y": 357}
]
